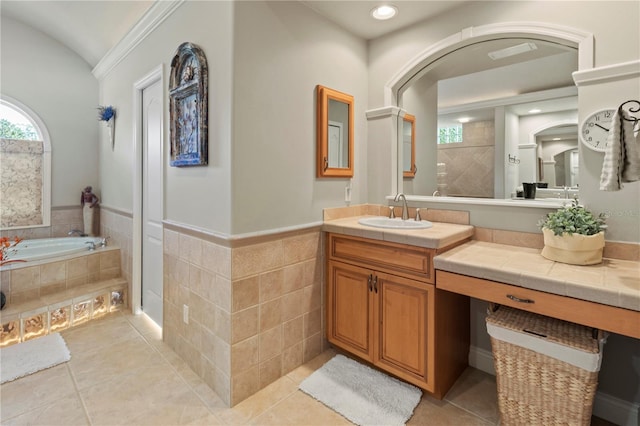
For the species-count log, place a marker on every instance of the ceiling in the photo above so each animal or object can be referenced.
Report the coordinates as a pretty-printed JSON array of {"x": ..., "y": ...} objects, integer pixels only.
[{"x": 92, "y": 27}]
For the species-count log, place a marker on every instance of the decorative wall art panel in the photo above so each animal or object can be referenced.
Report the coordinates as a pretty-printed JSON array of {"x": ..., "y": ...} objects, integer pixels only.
[{"x": 188, "y": 111}]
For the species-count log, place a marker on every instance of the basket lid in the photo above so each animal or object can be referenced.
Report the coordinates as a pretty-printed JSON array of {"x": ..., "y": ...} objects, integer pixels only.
[{"x": 551, "y": 329}]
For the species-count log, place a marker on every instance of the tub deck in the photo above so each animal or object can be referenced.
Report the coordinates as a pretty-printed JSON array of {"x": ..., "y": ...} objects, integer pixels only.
[{"x": 47, "y": 297}]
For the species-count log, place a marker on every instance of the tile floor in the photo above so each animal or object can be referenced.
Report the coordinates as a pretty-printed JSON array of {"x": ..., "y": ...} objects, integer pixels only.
[{"x": 122, "y": 373}]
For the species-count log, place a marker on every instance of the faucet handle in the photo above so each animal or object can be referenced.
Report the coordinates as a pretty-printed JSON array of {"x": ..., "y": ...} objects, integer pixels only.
[
  {"x": 418, "y": 218},
  {"x": 392, "y": 213},
  {"x": 103, "y": 242}
]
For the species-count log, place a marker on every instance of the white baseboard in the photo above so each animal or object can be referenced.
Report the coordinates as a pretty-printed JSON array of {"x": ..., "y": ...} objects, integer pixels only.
[{"x": 605, "y": 406}]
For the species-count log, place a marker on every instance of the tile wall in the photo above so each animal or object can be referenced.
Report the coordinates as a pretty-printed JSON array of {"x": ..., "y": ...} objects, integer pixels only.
[
  {"x": 118, "y": 227},
  {"x": 63, "y": 220},
  {"x": 255, "y": 306},
  {"x": 23, "y": 283}
]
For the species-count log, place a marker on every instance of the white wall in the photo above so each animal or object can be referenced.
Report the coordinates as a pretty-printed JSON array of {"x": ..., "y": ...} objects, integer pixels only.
[
  {"x": 282, "y": 50},
  {"x": 195, "y": 196},
  {"x": 57, "y": 85},
  {"x": 265, "y": 60}
]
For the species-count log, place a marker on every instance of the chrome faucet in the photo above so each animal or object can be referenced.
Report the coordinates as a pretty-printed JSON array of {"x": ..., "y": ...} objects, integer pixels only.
[
  {"x": 405, "y": 209},
  {"x": 103, "y": 242},
  {"x": 77, "y": 231},
  {"x": 92, "y": 245}
]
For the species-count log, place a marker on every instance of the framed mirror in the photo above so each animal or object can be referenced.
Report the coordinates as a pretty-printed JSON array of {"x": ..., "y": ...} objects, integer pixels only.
[
  {"x": 409, "y": 167},
  {"x": 334, "y": 134}
]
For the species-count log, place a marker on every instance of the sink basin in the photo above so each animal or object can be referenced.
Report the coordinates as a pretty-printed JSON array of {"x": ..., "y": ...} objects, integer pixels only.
[{"x": 396, "y": 223}]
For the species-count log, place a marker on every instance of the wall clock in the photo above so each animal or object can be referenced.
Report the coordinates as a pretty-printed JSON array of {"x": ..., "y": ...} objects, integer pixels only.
[{"x": 595, "y": 129}]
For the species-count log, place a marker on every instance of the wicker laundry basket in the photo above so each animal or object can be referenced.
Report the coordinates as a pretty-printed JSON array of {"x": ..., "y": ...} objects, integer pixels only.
[{"x": 546, "y": 369}]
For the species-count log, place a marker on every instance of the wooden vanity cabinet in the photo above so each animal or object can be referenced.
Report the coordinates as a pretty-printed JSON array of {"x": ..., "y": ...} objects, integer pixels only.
[{"x": 383, "y": 307}]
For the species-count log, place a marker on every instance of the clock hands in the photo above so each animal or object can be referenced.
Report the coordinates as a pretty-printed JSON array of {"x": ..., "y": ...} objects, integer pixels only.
[{"x": 603, "y": 128}]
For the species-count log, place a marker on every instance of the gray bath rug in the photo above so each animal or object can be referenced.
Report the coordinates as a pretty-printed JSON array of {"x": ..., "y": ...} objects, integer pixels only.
[
  {"x": 26, "y": 358},
  {"x": 361, "y": 394}
]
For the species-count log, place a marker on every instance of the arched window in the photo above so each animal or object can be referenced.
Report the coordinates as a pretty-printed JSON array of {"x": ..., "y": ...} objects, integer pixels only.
[{"x": 25, "y": 175}]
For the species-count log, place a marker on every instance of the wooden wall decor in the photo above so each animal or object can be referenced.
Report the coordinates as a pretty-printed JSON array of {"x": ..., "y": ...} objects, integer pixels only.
[{"x": 188, "y": 111}]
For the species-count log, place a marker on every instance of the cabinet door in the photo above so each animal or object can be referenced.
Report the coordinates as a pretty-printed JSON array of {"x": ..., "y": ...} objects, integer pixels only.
[
  {"x": 405, "y": 328},
  {"x": 349, "y": 313}
]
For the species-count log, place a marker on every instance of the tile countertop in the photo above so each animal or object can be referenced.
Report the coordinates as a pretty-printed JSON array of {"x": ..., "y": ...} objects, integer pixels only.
[
  {"x": 613, "y": 282},
  {"x": 438, "y": 236}
]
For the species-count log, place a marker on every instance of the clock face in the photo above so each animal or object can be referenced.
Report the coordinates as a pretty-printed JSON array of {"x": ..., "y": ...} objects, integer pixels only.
[{"x": 595, "y": 129}]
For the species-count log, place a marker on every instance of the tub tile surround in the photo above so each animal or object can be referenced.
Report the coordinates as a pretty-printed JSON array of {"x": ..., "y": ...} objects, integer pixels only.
[
  {"x": 255, "y": 305},
  {"x": 63, "y": 220}
]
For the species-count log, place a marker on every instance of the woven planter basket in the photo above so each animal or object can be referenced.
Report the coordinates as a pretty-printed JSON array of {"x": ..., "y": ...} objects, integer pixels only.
[
  {"x": 574, "y": 249},
  {"x": 537, "y": 389}
]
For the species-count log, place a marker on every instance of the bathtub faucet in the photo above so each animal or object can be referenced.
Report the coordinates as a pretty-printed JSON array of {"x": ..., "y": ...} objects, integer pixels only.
[
  {"x": 77, "y": 231},
  {"x": 92, "y": 245}
]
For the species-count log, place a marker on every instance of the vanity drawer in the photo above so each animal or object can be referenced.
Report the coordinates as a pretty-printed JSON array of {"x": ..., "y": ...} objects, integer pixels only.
[
  {"x": 399, "y": 259},
  {"x": 605, "y": 317}
]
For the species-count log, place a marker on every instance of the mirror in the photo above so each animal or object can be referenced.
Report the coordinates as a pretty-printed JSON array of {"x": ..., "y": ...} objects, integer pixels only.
[
  {"x": 334, "y": 134},
  {"x": 491, "y": 101},
  {"x": 409, "y": 168}
]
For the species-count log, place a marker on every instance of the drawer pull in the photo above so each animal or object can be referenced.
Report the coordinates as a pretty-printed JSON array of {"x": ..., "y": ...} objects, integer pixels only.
[
  {"x": 519, "y": 300},
  {"x": 375, "y": 284}
]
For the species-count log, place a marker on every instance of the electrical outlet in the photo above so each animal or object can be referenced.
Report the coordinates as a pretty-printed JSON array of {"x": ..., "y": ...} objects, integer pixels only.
[{"x": 185, "y": 314}]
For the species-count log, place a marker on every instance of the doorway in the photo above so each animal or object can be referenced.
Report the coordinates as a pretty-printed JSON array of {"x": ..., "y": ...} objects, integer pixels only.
[{"x": 147, "y": 271}]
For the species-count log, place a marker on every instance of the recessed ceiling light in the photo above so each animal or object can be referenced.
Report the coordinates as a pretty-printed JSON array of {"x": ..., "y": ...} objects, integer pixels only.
[
  {"x": 464, "y": 119},
  {"x": 513, "y": 50},
  {"x": 384, "y": 12},
  {"x": 534, "y": 111}
]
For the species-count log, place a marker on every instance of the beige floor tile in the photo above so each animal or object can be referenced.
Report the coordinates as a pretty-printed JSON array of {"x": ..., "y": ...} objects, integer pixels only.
[
  {"x": 120, "y": 359},
  {"x": 145, "y": 326},
  {"x": 36, "y": 390},
  {"x": 266, "y": 398},
  {"x": 98, "y": 334},
  {"x": 300, "y": 409},
  {"x": 64, "y": 412},
  {"x": 430, "y": 411},
  {"x": 475, "y": 391},
  {"x": 124, "y": 399},
  {"x": 305, "y": 370}
]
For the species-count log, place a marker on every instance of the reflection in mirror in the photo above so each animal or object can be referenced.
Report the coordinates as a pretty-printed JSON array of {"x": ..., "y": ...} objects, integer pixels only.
[
  {"x": 409, "y": 168},
  {"x": 558, "y": 154},
  {"x": 334, "y": 135},
  {"x": 490, "y": 104}
]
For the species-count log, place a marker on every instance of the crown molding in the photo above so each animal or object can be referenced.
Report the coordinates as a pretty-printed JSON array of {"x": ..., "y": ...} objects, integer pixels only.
[
  {"x": 156, "y": 14},
  {"x": 621, "y": 71}
]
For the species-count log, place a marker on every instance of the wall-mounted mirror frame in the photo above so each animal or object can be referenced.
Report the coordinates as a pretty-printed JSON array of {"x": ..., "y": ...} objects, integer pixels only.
[
  {"x": 334, "y": 133},
  {"x": 409, "y": 146}
]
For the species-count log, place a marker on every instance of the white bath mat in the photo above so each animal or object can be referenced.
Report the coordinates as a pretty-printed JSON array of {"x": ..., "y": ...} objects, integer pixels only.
[
  {"x": 361, "y": 394},
  {"x": 26, "y": 358}
]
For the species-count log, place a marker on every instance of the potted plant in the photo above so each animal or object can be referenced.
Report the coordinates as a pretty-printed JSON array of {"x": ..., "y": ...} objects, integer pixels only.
[{"x": 573, "y": 235}]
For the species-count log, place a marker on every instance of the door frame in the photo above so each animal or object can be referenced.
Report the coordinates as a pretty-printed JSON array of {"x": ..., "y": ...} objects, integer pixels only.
[{"x": 156, "y": 74}]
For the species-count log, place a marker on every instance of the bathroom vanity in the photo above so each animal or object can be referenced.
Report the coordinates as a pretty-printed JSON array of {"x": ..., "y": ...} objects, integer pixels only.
[
  {"x": 383, "y": 305},
  {"x": 399, "y": 299}
]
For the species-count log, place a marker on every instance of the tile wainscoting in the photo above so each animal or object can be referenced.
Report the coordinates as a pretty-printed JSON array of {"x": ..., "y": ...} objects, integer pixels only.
[
  {"x": 255, "y": 305},
  {"x": 117, "y": 225}
]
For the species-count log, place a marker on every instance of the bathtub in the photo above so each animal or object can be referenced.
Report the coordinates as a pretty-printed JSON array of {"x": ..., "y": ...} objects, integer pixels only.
[{"x": 46, "y": 248}]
